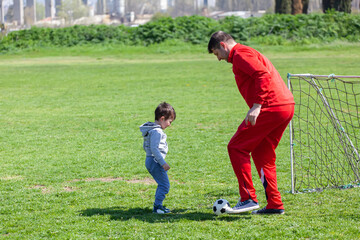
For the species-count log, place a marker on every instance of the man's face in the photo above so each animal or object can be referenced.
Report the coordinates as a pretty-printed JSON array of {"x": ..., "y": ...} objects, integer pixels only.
[{"x": 221, "y": 53}]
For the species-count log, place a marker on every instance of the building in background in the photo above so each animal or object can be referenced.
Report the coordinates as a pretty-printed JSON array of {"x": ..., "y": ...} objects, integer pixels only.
[{"x": 22, "y": 13}]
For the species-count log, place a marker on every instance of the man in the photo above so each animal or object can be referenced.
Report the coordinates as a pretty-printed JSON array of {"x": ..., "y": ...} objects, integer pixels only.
[{"x": 271, "y": 108}]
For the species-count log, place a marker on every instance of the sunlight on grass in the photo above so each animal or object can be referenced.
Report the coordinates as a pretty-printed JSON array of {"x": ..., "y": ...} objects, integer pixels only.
[{"x": 72, "y": 158}]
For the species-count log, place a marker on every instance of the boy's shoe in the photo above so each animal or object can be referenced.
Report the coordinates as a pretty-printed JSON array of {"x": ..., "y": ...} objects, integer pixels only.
[
  {"x": 160, "y": 209},
  {"x": 269, "y": 211},
  {"x": 244, "y": 206}
]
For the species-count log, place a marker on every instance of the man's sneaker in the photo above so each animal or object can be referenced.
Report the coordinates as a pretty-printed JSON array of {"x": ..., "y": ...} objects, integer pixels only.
[
  {"x": 244, "y": 206},
  {"x": 269, "y": 211},
  {"x": 160, "y": 209}
]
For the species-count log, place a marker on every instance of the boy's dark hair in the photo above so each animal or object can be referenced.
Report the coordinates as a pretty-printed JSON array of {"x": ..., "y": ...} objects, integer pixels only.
[
  {"x": 166, "y": 110},
  {"x": 216, "y": 38}
]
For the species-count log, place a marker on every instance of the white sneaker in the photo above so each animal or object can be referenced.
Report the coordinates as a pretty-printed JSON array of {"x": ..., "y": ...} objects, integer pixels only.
[
  {"x": 160, "y": 209},
  {"x": 244, "y": 206}
]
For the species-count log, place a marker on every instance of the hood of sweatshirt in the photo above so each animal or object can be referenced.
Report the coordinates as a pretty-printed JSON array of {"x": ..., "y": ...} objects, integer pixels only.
[{"x": 146, "y": 127}]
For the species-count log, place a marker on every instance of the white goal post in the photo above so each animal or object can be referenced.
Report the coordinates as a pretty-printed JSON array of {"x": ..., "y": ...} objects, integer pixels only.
[{"x": 324, "y": 132}]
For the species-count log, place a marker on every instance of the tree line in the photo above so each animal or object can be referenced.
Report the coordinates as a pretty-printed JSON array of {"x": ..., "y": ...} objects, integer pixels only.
[
  {"x": 301, "y": 6},
  {"x": 271, "y": 29}
]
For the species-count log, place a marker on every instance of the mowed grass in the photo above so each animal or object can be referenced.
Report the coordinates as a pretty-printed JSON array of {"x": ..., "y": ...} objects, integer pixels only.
[{"x": 72, "y": 163}]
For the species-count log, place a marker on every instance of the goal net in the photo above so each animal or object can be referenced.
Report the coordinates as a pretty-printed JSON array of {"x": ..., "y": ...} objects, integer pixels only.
[{"x": 324, "y": 132}]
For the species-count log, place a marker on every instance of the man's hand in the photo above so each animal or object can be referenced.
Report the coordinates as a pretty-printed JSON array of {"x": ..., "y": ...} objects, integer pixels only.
[
  {"x": 253, "y": 114},
  {"x": 166, "y": 166}
]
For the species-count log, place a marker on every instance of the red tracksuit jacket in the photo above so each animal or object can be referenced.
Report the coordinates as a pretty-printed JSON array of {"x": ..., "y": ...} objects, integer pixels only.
[{"x": 257, "y": 79}]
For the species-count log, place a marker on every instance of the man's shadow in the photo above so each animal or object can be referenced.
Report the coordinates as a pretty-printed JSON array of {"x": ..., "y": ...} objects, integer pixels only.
[{"x": 146, "y": 215}]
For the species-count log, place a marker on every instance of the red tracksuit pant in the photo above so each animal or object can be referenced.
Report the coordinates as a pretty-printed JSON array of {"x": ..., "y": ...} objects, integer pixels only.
[{"x": 261, "y": 141}]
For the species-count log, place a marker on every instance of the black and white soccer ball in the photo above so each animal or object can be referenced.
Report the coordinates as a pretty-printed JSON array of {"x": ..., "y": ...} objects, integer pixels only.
[{"x": 220, "y": 206}]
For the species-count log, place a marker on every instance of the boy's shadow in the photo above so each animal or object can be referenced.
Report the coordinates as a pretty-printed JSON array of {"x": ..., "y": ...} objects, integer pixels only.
[{"x": 146, "y": 215}]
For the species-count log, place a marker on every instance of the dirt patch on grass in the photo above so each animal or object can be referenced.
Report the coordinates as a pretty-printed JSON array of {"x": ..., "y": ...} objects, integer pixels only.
[
  {"x": 105, "y": 179},
  {"x": 146, "y": 180},
  {"x": 12, "y": 178},
  {"x": 69, "y": 189},
  {"x": 43, "y": 188}
]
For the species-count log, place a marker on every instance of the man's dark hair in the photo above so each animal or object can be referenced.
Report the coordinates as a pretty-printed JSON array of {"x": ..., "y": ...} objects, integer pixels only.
[
  {"x": 166, "y": 110},
  {"x": 216, "y": 38}
]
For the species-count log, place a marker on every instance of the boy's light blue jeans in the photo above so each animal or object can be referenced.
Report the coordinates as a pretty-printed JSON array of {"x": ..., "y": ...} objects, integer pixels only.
[{"x": 161, "y": 177}]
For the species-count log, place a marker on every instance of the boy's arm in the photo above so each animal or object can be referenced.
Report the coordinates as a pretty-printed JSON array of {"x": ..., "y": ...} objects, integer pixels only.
[{"x": 155, "y": 138}]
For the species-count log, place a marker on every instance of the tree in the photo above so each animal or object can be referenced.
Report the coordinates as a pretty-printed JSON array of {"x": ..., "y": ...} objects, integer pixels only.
[
  {"x": 297, "y": 7},
  {"x": 142, "y": 6},
  {"x": 72, "y": 9},
  {"x": 344, "y": 6},
  {"x": 305, "y": 4},
  {"x": 183, "y": 7},
  {"x": 337, "y": 5},
  {"x": 283, "y": 6},
  {"x": 235, "y": 5},
  {"x": 291, "y": 6},
  {"x": 40, "y": 10}
]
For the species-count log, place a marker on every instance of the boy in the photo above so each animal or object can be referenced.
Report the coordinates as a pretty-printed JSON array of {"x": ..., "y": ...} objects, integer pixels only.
[{"x": 156, "y": 149}]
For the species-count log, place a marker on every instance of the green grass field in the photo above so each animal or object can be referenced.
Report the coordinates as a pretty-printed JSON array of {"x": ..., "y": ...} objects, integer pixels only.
[{"x": 71, "y": 157}]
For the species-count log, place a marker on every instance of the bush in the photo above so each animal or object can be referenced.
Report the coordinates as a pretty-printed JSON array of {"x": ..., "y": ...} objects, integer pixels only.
[{"x": 272, "y": 29}]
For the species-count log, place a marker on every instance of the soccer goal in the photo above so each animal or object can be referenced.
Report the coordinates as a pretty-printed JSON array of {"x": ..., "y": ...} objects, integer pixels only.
[{"x": 324, "y": 132}]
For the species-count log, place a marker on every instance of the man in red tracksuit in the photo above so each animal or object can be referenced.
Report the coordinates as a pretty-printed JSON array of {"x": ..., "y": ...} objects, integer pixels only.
[{"x": 271, "y": 108}]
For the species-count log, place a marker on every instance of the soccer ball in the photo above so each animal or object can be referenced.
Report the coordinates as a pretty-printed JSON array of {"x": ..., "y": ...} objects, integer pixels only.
[{"x": 220, "y": 206}]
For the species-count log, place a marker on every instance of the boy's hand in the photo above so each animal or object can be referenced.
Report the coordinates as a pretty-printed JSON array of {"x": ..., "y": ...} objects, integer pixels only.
[{"x": 166, "y": 166}]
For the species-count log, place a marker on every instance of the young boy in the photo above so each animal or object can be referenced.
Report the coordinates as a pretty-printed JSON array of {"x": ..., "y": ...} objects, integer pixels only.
[{"x": 156, "y": 149}]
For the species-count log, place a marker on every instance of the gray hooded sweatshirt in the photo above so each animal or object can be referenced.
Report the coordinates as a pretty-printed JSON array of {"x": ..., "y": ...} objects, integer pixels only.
[{"x": 154, "y": 141}]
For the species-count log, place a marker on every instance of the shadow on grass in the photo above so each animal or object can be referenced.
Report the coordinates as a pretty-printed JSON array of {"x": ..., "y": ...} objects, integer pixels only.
[{"x": 146, "y": 215}]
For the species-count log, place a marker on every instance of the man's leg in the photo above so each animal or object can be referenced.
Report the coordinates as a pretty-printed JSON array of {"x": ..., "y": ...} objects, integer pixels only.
[
  {"x": 239, "y": 149},
  {"x": 247, "y": 139},
  {"x": 264, "y": 155},
  {"x": 264, "y": 158}
]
